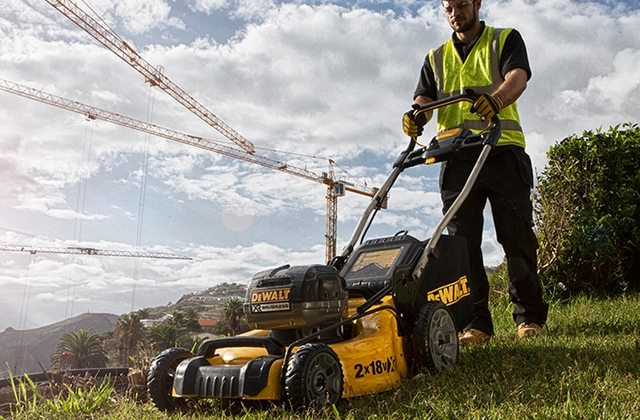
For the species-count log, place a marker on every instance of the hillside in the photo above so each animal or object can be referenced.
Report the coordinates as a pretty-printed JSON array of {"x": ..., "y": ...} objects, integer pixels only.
[
  {"x": 28, "y": 351},
  {"x": 207, "y": 303}
]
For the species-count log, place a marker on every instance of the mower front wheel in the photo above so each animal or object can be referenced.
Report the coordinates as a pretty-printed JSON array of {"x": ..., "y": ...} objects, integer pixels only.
[
  {"x": 314, "y": 377},
  {"x": 435, "y": 338},
  {"x": 160, "y": 378}
]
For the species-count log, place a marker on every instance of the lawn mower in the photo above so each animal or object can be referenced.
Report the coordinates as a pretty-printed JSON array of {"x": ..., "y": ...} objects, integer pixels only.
[{"x": 358, "y": 325}]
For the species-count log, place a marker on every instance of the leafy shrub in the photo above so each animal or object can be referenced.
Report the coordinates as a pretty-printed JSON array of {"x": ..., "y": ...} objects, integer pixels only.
[{"x": 588, "y": 215}]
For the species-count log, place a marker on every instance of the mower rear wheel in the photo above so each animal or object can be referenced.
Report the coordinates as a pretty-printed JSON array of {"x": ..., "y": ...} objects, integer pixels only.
[
  {"x": 314, "y": 377},
  {"x": 435, "y": 338},
  {"x": 160, "y": 378}
]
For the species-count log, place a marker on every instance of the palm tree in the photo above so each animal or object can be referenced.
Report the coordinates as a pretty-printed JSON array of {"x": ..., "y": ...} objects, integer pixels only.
[
  {"x": 233, "y": 314},
  {"x": 128, "y": 333},
  {"x": 79, "y": 350},
  {"x": 164, "y": 335}
]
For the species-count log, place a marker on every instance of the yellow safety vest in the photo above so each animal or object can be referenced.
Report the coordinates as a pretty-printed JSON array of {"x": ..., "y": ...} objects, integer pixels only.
[{"x": 480, "y": 72}]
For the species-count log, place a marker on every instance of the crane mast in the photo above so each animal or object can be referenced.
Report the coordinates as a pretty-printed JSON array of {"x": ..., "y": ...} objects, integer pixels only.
[
  {"x": 335, "y": 188},
  {"x": 76, "y": 250},
  {"x": 151, "y": 74}
]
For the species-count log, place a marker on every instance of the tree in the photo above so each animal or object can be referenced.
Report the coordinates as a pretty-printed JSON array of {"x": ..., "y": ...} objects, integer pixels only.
[
  {"x": 588, "y": 211},
  {"x": 79, "y": 350},
  {"x": 175, "y": 331},
  {"x": 234, "y": 314},
  {"x": 128, "y": 334},
  {"x": 164, "y": 335},
  {"x": 186, "y": 320}
]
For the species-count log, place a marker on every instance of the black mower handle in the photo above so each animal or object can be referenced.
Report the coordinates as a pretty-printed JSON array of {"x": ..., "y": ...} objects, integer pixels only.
[{"x": 401, "y": 163}]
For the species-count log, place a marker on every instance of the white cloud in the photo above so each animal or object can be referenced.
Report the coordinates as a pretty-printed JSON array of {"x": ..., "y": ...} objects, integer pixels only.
[
  {"x": 207, "y": 6},
  {"x": 613, "y": 96},
  {"x": 253, "y": 9},
  {"x": 139, "y": 16}
]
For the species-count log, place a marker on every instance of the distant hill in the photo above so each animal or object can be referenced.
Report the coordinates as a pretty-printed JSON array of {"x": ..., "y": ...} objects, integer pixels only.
[{"x": 23, "y": 349}]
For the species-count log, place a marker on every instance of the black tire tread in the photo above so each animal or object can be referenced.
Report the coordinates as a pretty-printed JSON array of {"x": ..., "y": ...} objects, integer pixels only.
[
  {"x": 421, "y": 352},
  {"x": 296, "y": 375},
  {"x": 157, "y": 378}
]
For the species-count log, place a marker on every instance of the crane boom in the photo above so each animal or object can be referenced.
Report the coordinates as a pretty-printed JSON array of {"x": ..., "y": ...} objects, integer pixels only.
[
  {"x": 151, "y": 74},
  {"x": 91, "y": 251},
  {"x": 335, "y": 188},
  {"x": 94, "y": 113}
]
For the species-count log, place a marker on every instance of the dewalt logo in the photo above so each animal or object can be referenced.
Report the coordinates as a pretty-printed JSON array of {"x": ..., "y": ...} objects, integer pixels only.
[
  {"x": 271, "y": 295},
  {"x": 450, "y": 293}
]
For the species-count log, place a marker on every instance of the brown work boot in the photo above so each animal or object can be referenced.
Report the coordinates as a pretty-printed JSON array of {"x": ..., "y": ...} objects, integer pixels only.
[
  {"x": 472, "y": 337},
  {"x": 526, "y": 330}
]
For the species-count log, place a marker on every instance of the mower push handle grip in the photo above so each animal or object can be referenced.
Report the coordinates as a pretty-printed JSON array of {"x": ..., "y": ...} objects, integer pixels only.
[{"x": 468, "y": 96}]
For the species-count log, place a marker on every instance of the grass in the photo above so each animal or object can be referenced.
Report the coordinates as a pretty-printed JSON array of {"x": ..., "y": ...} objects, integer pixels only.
[
  {"x": 33, "y": 401},
  {"x": 587, "y": 365}
]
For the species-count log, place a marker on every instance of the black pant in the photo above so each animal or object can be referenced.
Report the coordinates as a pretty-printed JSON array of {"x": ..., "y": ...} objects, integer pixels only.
[{"x": 506, "y": 181}]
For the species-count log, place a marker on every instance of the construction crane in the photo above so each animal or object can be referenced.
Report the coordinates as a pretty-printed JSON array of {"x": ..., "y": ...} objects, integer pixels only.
[
  {"x": 152, "y": 75},
  {"x": 77, "y": 250},
  {"x": 123, "y": 50},
  {"x": 335, "y": 188}
]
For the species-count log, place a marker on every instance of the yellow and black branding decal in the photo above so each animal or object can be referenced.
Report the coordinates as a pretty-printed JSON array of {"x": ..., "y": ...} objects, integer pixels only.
[
  {"x": 270, "y": 300},
  {"x": 451, "y": 293},
  {"x": 375, "y": 367}
]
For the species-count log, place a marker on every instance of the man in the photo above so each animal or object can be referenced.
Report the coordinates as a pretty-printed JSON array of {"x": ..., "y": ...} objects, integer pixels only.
[{"x": 494, "y": 63}]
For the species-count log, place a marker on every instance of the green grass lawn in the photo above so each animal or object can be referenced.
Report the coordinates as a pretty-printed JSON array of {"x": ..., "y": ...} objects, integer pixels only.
[{"x": 587, "y": 365}]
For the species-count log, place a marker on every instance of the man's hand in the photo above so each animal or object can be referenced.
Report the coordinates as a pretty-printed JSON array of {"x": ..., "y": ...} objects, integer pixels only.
[
  {"x": 411, "y": 124},
  {"x": 487, "y": 106}
]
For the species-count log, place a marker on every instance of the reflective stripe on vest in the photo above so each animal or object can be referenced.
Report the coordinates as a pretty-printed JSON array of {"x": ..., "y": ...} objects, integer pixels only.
[{"x": 480, "y": 72}]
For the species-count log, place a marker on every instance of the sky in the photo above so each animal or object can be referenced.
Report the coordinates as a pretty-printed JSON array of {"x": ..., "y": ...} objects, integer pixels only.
[{"x": 305, "y": 82}]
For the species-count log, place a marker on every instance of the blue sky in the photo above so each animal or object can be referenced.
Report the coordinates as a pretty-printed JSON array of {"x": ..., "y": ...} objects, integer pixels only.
[{"x": 319, "y": 80}]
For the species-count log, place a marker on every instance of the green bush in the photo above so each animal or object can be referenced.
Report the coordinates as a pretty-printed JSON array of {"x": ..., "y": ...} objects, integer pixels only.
[{"x": 588, "y": 215}]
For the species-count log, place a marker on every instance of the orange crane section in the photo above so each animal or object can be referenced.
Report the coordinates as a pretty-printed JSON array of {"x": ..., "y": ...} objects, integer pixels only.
[{"x": 154, "y": 76}]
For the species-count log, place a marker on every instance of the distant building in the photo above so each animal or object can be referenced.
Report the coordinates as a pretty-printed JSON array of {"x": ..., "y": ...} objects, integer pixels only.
[
  {"x": 151, "y": 322},
  {"x": 207, "y": 322}
]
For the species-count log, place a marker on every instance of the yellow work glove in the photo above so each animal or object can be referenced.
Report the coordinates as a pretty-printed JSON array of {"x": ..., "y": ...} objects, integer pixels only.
[
  {"x": 487, "y": 106},
  {"x": 412, "y": 124}
]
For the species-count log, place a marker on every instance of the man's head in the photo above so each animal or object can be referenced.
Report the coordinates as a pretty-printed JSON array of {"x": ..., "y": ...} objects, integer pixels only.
[{"x": 462, "y": 15}]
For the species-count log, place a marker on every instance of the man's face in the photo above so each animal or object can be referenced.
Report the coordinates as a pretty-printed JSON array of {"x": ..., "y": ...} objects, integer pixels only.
[{"x": 461, "y": 14}]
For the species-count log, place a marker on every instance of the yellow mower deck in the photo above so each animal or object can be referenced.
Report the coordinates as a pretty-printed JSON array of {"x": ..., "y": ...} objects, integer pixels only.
[{"x": 373, "y": 360}]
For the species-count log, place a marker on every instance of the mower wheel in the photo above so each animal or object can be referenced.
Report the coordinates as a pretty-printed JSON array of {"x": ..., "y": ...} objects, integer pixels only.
[
  {"x": 160, "y": 378},
  {"x": 435, "y": 338},
  {"x": 314, "y": 377}
]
